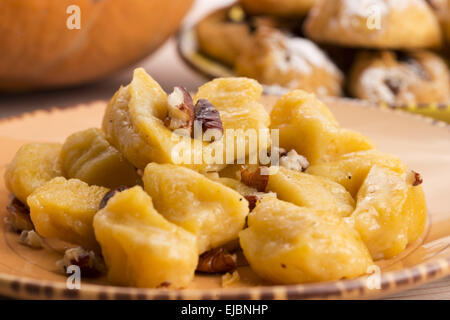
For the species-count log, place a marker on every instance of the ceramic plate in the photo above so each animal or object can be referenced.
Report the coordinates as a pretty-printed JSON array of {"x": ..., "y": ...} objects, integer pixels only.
[
  {"x": 421, "y": 142},
  {"x": 188, "y": 50}
]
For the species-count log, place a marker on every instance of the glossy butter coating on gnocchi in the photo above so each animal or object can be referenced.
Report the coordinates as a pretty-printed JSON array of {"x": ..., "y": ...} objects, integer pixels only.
[
  {"x": 208, "y": 209},
  {"x": 287, "y": 244},
  {"x": 88, "y": 156},
  {"x": 141, "y": 248}
]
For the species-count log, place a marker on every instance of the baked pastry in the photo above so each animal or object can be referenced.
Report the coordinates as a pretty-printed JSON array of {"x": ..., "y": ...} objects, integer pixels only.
[
  {"x": 223, "y": 34},
  {"x": 399, "y": 78},
  {"x": 281, "y": 8},
  {"x": 446, "y": 25},
  {"x": 276, "y": 59},
  {"x": 442, "y": 9},
  {"x": 394, "y": 24}
]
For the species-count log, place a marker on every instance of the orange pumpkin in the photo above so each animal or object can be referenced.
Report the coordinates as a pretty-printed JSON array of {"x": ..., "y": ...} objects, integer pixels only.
[{"x": 38, "y": 50}]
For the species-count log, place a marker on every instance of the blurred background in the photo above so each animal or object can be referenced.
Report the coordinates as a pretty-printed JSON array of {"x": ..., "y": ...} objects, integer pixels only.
[
  {"x": 381, "y": 50},
  {"x": 164, "y": 65}
]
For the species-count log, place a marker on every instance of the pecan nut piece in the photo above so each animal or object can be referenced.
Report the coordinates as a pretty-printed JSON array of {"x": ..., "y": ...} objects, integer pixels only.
[
  {"x": 217, "y": 261},
  {"x": 255, "y": 179},
  {"x": 208, "y": 117},
  {"x": 415, "y": 178},
  {"x": 18, "y": 216},
  {"x": 90, "y": 264},
  {"x": 180, "y": 110},
  {"x": 110, "y": 194}
]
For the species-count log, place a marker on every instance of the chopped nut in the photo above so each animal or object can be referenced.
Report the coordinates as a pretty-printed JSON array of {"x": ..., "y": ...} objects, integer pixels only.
[
  {"x": 165, "y": 284},
  {"x": 89, "y": 263},
  {"x": 293, "y": 161},
  {"x": 216, "y": 260},
  {"x": 180, "y": 110},
  {"x": 111, "y": 194},
  {"x": 413, "y": 64},
  {"x": 415, "y": 178},
  {"x": 252, "y": 201},
  {"x": 435, "y": 5},
  {"x": 229, "y": 279},
  {"x": 18, "y": 216},
  {"x": 208, "y": 117},
  {"x": 31, "y": 239},
  {"x": 254, "y": 198},
  {"x": 255, "y": 179}
]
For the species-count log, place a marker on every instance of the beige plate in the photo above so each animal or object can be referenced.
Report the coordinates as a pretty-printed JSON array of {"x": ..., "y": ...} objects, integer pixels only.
[{"x": 423, "y": 143}]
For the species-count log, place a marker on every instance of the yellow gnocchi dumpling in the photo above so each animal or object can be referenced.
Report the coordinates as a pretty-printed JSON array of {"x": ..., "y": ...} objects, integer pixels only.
[
  {"x": 213, "y": 212},
  {"x": 389, "y": 213},
  {"x": 65, "y": 209},
  {"x": 134, "y": 123},
  {"x": 415, "y": 211},
  {"x": 141, "y": 248},
  {"x": 234, "y": 184},
  {"x": 245, "y": 120},
  {"x": 351, "y": 169},
  {"x": 237, "y": 100},
  {"x": 306, "y": 125},
  {"x": 33, "y": 165},
  {"x": 88, "y": 156},
  {"x": 287, "y": 244},
  {"x": 310, "y": 191}
]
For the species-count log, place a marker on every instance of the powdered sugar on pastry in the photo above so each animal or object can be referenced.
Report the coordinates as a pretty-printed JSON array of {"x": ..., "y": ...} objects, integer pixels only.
[
  {"x": 362, "y": 8},
  {"x": 299, "y": 54},
  {"x": 376, "y": 84},
  {"x": 365, "y": 8}
]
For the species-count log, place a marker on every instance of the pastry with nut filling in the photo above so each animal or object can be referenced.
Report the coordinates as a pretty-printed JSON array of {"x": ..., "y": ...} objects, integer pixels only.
[
  {"x": 276, "y": 59},
  {"x": 280, "y": 8},
  {"x": 446, "y": 25},
  {"x": 225, "y": 33},
  {"x": 394, "y": 24},
  {"x": 400, "y": 77}
]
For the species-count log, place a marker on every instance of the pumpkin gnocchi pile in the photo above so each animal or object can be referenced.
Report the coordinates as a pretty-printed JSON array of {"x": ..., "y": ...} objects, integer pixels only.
[{"x": 331, "y": 206}]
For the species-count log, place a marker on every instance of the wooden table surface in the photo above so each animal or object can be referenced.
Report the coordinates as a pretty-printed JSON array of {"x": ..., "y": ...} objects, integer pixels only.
[{"x": 168, "y": 69}]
